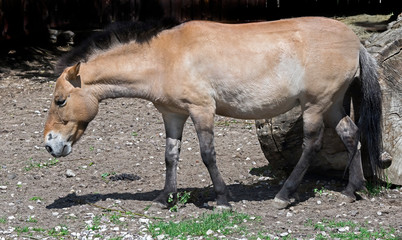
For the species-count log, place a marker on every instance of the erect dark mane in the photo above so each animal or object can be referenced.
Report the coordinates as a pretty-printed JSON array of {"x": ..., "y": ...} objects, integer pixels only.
[{"x": 115, "y": 34}]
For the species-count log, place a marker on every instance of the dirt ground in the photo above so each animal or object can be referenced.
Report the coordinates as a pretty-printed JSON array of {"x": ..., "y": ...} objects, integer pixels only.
[{"x": 127, "y": 137}]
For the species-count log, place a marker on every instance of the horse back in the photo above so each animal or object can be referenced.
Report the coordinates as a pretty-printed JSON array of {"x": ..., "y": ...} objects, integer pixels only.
[{"x": 258, "y": 70}]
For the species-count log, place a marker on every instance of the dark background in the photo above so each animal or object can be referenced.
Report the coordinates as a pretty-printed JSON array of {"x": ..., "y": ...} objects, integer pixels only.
[{"x": 29, "y": 20}]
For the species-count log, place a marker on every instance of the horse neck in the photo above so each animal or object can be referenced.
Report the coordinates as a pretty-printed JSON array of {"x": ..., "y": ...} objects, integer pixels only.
[{"x": 122, "y": 73}]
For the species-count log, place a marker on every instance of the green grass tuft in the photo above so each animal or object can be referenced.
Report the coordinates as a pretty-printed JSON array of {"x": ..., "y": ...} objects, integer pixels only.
[{"x": 225, "y": 223}]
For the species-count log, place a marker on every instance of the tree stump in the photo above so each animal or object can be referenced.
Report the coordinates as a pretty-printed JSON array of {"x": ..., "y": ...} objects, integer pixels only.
[{"x": 281, "y": 137}]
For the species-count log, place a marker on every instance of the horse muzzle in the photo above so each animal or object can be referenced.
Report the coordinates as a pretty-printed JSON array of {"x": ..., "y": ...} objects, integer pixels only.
[{"x": 56, "y": 146}]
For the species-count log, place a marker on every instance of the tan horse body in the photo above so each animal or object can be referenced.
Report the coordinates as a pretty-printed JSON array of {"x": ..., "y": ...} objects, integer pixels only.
[{"x": 199, "y": 69}]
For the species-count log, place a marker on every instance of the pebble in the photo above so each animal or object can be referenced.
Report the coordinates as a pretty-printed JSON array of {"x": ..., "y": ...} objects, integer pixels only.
[
  {"x": 144, "y": 220},
  {"x": 12, "y": 176},
  {"x": 379, "y": 213},
  {"x": 343, "y": 229},
  {"x": 284, "y": 234},
  {"x": 70, "y": 173},
  {"x": 3, "y": 187},
  {"x": 209, "y": 232}
]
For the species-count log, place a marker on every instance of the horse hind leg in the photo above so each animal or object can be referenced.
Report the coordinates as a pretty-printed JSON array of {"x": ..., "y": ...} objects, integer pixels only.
[
  {"x": 312, "y": 142},
  {"x": 349, "y": 134}
]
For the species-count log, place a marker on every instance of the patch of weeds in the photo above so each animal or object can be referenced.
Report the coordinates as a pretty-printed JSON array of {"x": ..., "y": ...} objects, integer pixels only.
[
  {"x": 3, "y": 219},
  {"x": 35, "y": 198},
  {"x": 106, "y": 174},
  {"x": 147, "y": 207},
  {"x": 98, "y": 236},
  {"x": 319, "y": 191},
  {"x": 91, "y": 148},
  {"x": 58, "y": 231},
  {"x": 115, "y": 218},
  {"x": 21, "y": 230},
  {"x": 95, "y": 223},
  {"x": 348, "y": 230},
  {"x": 178, "y": 200},
  {"x": 134, "y": 134},
  {"x": 226, "y": 223},
  {"x": 32, "y": 220},
  {"x": 38, "y": 229},
  {"x": 33, "y": 164},
  {"x": 375, "y": 188}
]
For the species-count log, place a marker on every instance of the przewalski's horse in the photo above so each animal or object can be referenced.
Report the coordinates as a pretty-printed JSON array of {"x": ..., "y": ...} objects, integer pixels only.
[{"x": 247, "y": 71}]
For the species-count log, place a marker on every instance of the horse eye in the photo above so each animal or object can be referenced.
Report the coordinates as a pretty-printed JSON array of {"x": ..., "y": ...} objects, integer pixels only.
[{"x": 61, "y": 102}]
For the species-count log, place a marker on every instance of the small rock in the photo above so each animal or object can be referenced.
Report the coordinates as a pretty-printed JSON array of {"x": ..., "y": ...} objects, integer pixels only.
[
  {"x": 209, "y": 232},
  {"x": 284, "y": 234},
  {"x": 379, "y": 213},
  {"x": 3, "y": 187},
  {"x": 12, "y": 176},
  {"x": 289, "y": 214},
  {"x": 144, "y": 220},
  {"x": 31, "y": 207},
  {"x": 343, "y": 229},
  {"x": 318, "y": 202},
  {"x": 70, "y": 173},
  {"x": 160, "y": 237},
  {"x": 354, "y": 213}
]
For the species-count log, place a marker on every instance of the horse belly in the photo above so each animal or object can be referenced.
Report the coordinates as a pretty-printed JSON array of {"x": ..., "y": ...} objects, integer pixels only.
[{"x": 255, "y": 104}]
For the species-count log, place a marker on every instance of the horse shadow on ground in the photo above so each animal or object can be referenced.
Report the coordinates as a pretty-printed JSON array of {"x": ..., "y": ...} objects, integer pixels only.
[{"x": 261, "y": 190}]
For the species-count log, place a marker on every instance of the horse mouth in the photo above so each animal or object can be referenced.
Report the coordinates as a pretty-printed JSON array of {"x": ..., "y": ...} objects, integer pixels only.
[{"x": 66, "y": 150}]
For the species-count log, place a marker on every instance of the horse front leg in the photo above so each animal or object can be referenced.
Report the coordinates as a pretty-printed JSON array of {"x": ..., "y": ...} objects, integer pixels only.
[
  {"x": 204, "y": 124},
  {"x": 312, "y": 142},
  {"x": 174, "y": 124}
]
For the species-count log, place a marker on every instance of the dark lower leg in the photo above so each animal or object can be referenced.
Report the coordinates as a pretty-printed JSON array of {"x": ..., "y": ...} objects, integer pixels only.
[
  {"x": 171, "y": 159},
  {"x": 209, "y": 159},
  {"x": 311, "y": 145}
]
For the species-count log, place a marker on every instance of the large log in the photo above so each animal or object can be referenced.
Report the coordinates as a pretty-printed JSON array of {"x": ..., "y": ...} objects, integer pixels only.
[{"x": 281, "y": 137}]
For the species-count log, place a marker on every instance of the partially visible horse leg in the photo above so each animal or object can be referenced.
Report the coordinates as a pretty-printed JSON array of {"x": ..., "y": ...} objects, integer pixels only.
[
  {"x": 174, "y": 124},
  {"x": 204, "y": 125},
  {"x": 349, "y": 134},
  {"x": 313, "y": 131}
]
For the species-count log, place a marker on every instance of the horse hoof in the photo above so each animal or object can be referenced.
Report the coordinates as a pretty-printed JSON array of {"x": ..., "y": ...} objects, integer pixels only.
[
  {"x": 280, "y": 204},
  {"x": 158, "y": 205},
  {"x": 222, "y": 208},
  {"x": 347, "y": 198}
]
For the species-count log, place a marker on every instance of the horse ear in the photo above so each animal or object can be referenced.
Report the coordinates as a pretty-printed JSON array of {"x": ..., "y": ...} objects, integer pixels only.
[{"x": 72, "y": 75}]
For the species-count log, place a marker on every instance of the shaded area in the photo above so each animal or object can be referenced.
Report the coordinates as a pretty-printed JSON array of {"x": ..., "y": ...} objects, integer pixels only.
[{"x": 264, "y": 189}]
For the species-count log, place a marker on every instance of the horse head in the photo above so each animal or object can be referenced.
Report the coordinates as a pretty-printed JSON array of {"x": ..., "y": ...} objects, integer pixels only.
[{"x": 72, "y": 108}]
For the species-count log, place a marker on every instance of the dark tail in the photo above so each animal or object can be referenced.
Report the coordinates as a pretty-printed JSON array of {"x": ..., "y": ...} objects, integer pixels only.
[{"x": 370, "y": 110}]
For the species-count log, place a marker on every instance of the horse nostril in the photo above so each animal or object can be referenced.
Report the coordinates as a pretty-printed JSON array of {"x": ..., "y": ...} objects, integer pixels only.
[{"x": 49, "y": 149}]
